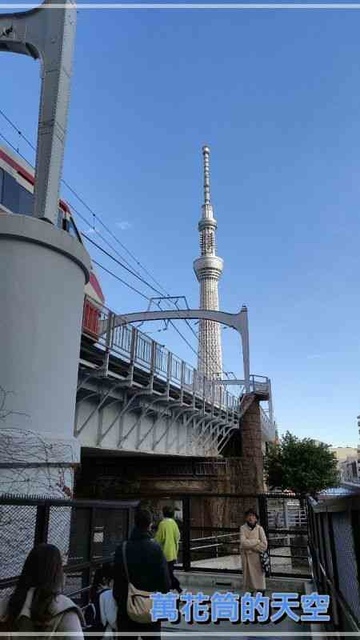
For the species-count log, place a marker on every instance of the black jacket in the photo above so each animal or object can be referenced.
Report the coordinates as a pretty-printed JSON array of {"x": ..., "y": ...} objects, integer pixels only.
[{"x": 146, "y": 564}]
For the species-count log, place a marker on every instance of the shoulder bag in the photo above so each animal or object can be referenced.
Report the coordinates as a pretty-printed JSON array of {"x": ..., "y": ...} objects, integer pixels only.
[
  {"x": 139, "y": 603},
  {"x": 265, "y": 562}
]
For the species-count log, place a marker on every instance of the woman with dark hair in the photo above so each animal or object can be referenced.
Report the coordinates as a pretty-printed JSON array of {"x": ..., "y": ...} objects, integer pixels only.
[
  {"x": 252, "y": 542},
  {"x": 37, "y": 604}
]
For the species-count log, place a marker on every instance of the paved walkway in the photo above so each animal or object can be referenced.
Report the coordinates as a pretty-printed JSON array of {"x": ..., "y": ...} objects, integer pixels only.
[
  {"x": 280, "y": 563},
  {"x": 287, "y": 628},
  {"x": 241, "y": 631}
]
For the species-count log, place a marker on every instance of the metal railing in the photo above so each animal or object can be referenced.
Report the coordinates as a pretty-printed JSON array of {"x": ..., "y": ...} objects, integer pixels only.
[
  {"x": 88, "y": 532},
  {"x": 138, "y": 349},
  {"x": 334, "y": 541}
]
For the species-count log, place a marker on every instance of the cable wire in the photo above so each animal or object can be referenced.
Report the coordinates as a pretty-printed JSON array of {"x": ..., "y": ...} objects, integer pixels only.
[
  {"x": 125, "y": 266},
  {"x": 120, "y": 279}
]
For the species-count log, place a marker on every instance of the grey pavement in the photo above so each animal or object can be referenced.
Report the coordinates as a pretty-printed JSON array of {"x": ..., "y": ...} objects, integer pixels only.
[{"x": 287, "y": 628}]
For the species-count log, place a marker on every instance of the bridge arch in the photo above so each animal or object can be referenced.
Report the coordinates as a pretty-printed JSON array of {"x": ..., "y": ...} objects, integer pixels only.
[{"x": 237, "y": 321}]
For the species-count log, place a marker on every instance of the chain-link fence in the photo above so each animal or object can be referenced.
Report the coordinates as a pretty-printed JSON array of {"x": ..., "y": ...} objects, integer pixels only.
[{"x": 86, "y": 532}]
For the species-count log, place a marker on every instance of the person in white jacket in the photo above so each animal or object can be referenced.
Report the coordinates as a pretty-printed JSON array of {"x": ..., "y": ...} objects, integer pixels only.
[
  {"x": 37, "y": 604},
  {"x": 108, "y": 612}
]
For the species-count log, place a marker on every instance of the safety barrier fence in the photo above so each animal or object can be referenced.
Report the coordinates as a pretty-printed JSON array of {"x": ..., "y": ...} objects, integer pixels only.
[
  {"x": 88, "y": 532},
  {"x": 138, "y": 349},
  {"x": 334, "y": 541}
]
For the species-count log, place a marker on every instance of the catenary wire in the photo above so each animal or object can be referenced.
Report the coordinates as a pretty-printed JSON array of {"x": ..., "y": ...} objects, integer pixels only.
[{"x": 126, "y": 266}]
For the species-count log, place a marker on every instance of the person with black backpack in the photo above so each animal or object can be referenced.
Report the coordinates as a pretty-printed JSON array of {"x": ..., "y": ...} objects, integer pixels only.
[
  {"x": 92, "y": 614},
  {"x": 37, "y": 604}
]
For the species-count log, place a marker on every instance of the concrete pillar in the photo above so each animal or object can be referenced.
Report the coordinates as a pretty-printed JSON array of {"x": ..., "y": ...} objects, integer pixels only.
[{"x": 43, "y": 274}]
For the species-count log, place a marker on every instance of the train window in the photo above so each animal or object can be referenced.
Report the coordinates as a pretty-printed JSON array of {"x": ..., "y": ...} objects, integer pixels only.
[
  {"x": 19, "y": 200},
  {"x": 73, "y": 230},
  {"x": 26, "y": 201},
  {"x": 15, "y": 197},
  {"x": 10, "y": 193},
  {"x": 60, "y": 219}
]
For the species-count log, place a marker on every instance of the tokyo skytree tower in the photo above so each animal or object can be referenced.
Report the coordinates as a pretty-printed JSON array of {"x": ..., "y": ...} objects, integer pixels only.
[{"x": 208, "y": 269}]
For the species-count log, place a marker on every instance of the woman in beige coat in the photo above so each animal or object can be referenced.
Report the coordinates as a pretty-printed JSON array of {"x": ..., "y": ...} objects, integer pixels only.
[{"x": 252, "y": 543}]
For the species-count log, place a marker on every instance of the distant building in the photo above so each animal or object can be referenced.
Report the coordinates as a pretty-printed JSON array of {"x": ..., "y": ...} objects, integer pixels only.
[
  {"x": 348, "y": 463},
  {"x": 343, "y": 453},
  {"x": 349, "y": 470}
]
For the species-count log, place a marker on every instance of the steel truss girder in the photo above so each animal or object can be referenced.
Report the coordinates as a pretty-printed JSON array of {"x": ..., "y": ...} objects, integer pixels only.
[
  {"x": 176, "y": 417},
  {"x": 194, "y": 411},
  {"x": 227, "y": 436},
  {"x": 87, "y": 396},
  {"x": 202, "y": 418},
  {"x": 173, "y": 404},
  {"x": 201, "y": 435},
  {"x": 198, "y": 421},
  {"x": 166, "y": 431},
  {"x": 198, "y": 424},
  {"x": 159, "y": 416},
  {"x": 214, "y": 430},
  {"x": 147, "y": 408},
  {"x": 137, "y": 394},
  {"x": 102, "y": 435},
  {"x": 121, "y": 383},
  {"x": 197, "y": 439},
  {"x": 233, "y": 424},
  {"x": 93, "y": 374},
  {"x": 185, "y": 425}
]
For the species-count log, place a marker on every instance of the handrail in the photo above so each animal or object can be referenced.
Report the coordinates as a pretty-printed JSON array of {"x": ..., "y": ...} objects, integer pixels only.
[
  {"x": 137, "y": 348},
  {"x": 152, "y": 356}
]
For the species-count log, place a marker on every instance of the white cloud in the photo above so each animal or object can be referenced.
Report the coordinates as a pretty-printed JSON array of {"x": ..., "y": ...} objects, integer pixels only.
[{"x": 123, "y": 225}]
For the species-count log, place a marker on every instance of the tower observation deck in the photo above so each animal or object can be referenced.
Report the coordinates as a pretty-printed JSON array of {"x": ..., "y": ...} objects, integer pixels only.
[{"x": 208, "y": 268}]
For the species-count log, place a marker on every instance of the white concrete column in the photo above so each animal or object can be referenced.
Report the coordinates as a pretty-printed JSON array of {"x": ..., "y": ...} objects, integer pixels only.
[{"x": 43, "y": 274}]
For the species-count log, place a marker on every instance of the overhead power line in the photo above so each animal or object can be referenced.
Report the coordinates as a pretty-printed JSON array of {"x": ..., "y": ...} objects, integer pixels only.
[
  {"x": 94, "y": 215},
  {"x": 124, "y": 266},
  {"x": 120, "y": 279},
  {"x": 124, "y": 263}
]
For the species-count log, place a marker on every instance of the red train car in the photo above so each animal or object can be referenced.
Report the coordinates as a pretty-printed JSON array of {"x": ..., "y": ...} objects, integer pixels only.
[{"x": 17, "y": 196}]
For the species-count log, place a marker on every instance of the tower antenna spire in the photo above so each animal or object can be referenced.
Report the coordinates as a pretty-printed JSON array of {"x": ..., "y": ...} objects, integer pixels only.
[{"x": 206, "y": 155}]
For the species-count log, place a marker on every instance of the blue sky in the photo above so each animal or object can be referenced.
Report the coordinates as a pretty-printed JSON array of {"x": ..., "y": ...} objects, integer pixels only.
[{"x": 276, "y": 96}]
